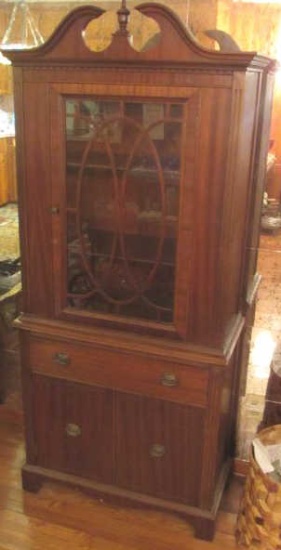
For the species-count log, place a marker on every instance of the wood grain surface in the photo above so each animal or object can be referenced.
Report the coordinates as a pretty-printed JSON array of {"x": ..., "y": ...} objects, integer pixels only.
[{"x": 58, "y": 517}]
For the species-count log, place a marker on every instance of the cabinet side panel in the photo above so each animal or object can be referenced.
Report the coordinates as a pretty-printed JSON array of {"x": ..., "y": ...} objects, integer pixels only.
[
  {"x": 236, "y": 195},
  {"x": 228, "y": 408},
  {"x": 259, "y": 176}
]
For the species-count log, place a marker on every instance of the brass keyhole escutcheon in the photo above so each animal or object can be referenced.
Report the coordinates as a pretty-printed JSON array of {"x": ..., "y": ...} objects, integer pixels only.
[
  {"x": 73, "y": 430},
  {"x": 62, "y": 359},
  {"x": 157, "y": 451},
  {"x": 54, "y": 210},
  {"x": 169, "y": 380}
]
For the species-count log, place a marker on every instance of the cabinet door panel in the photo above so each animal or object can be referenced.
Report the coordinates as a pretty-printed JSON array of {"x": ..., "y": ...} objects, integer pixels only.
[
  {"x": 159, "y": 447},
  {"x": 123, "y": 174},
  {"x": 73, "y": 428}
]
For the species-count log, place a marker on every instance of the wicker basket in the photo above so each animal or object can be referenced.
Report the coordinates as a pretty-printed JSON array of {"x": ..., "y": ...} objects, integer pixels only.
[{"x": 259, "y": 517}]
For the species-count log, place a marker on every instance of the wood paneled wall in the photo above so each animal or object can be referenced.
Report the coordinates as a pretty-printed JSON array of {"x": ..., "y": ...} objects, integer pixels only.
[
  {"x": 8, "y": 192},
  {"x": 257, "y": 27},
  {"x": 47, "y": 15}
]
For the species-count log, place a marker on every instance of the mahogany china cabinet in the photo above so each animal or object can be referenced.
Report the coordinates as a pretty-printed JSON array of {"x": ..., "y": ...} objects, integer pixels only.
[{"x": 140, "y": 181}]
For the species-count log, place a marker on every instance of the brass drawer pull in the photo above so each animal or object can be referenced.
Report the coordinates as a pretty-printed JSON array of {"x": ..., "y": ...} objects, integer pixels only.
[
  {"x": 169, "y": 380},
  {"x": 157, "y": 451},
  {"x": 73, "y": 430},
  {"x": 61, "y": 358}
]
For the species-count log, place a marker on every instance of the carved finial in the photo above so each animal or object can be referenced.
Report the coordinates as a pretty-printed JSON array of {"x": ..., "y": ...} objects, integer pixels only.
[{"x": 123, "y": 17}]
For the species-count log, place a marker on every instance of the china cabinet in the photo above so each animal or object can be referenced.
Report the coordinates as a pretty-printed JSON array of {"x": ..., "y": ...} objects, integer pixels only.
[{"x": 140, "y": 180}]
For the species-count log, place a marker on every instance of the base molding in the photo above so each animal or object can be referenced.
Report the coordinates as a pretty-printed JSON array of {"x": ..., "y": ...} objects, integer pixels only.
[{"x": 203, "y": 521}]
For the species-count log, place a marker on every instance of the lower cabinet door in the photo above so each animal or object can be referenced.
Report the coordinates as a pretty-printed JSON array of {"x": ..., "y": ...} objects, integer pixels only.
[
  {"x": 159, "y": 447},
  {"x": 73, "y": 427}
]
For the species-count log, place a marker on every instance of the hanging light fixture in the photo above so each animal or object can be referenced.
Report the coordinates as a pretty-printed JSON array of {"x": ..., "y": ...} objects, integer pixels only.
[{"x": 22, "y": 32}]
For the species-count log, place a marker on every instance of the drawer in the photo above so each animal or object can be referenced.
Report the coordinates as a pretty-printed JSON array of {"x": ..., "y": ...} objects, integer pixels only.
[{"x": 126, "y": 372}]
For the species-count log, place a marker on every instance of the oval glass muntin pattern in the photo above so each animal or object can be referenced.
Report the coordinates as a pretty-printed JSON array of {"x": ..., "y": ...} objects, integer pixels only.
[{"x": 135, "y": 288}]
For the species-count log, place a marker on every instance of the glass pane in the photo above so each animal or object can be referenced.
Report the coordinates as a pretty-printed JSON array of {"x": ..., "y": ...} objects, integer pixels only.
[{"x": 122, "y": 175}]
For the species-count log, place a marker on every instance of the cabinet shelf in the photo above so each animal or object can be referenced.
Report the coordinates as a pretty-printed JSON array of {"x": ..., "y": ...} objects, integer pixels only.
[
  {"x": 142, "y": 224},
  {"x": 171, "y": 175},
  {"x": 131, "y": 261}
]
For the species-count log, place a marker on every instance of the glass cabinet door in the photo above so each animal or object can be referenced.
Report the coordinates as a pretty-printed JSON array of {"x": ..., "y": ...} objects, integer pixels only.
[{"x": 123, "y": 166}]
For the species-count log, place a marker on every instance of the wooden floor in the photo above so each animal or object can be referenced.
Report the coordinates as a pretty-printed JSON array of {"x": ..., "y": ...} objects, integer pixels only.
[{"x": 58, "y": 518}]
